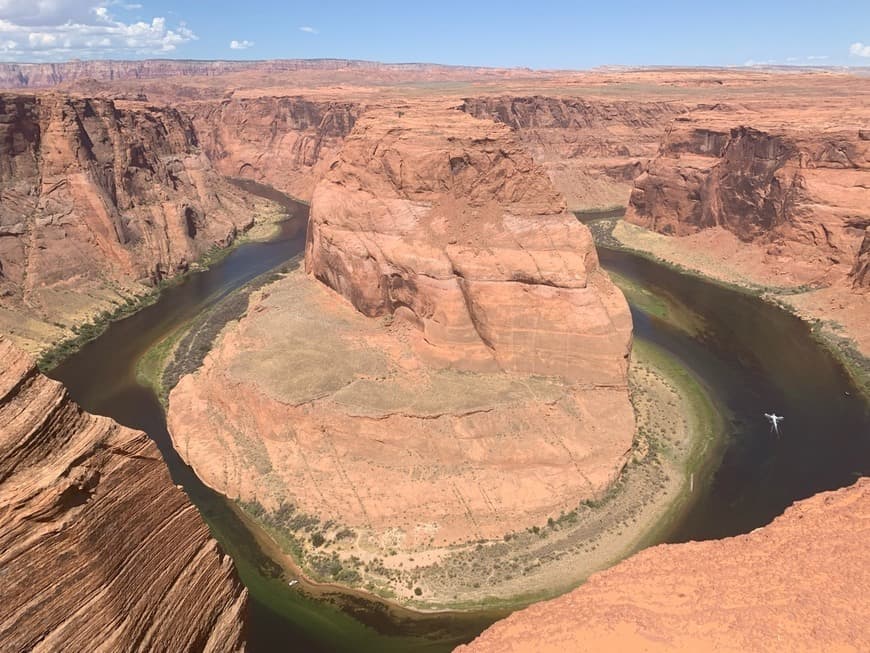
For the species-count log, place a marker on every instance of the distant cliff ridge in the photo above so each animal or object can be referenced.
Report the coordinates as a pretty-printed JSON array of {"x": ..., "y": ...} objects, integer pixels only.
[{"x": 45, "y": 75}]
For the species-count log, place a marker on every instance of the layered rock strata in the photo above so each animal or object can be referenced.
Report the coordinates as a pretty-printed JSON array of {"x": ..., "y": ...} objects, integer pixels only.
[
  {"x": 592, "y": 149},
  {"x": 801, "y": 186},
  {"x": 473, "y": 385},
  {"x": 286, "y": 142},
  {"x": 99, "y": 551},
  {"x": 798, "y": 584},
  {"x": 445, "y": 221},
  {"x": 99, "y": 199}
]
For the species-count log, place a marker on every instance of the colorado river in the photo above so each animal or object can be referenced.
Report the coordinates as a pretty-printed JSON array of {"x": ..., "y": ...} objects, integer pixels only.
[{"x": 752, "y": 357}]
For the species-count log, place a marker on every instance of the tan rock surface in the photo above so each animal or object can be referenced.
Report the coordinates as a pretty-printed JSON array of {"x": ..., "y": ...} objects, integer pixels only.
[
  {"x": 99, "y": 551},
  {"x": 306, "y": 391},
  {"x": 480, "y": 386},
  {"x": 796, "y": 179},
  {"x": 444, "y": 220},
  {"x": 592, "y": 149},
  {"x": 100, "y": 199},
  {"x": 285, "y": 142},
  {"x": 799, "y": 584}
]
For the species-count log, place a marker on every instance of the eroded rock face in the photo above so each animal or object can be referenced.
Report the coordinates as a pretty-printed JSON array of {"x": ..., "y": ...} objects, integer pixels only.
[
  {"x": 861, "y": 270},
  {"x": 591, "y": 149},
  {"x": 802, "y": 187},
  {"x": 286, "y": 142},
  {"x": 472, "y": 386},
  {"x": 98, "y": 196},
  {"x": 445, "y": 221},
  {"x": 99, "y": 551},
  {"x": 798, "y": 584}
]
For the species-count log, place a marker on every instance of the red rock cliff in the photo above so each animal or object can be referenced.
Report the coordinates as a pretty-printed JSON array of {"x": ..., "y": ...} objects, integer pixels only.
[
  {"x": 99, "y": 551},
  {"x": 97, "y": 195},
  {"x": 799, "y": 584},
  {"x": 803, "y": 185},
  {"x": 591, "y": 149},
  {"x": 286, "y": 142},
  {"x": 444, "y": 219}
]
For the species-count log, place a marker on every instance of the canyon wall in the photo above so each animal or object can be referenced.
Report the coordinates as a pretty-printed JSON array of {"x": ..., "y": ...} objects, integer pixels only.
[
  {"x": 592, "y": 149},
  {"x": 100, "y": 199},
  {"x": 798, "y": 584},
  {"x": 99, "y": 551},
  {"x": 285, "y": 142},
  {"x": 801, "y": 186},
  {"x": 860, "y": 272}
]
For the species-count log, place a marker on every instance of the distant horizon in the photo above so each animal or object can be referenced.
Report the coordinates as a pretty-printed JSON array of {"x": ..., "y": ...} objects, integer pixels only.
[
  {"x": 228, "y": 60},
  {"x": 549, "y": 35}
]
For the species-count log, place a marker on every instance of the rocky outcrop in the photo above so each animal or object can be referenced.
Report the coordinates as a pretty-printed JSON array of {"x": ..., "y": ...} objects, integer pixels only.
[
  {"x": 100, "y": 197},
  {"x": 802, "y": 187},
  {"x": 99, "y": 551},
  {"x": 286, "y": 142},
  {"x": 861, "y": 270},
  {"x": 798, "y": 584},
  {"x": 445, "y": 221},
  {"x": 591, "y": 149},
  {"x": 473, "y": 386}
]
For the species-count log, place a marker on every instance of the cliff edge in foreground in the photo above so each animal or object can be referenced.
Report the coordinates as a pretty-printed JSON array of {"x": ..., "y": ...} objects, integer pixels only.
[
  {"x": 799, "y": 584},
  {"x": 99, "y": 551}
]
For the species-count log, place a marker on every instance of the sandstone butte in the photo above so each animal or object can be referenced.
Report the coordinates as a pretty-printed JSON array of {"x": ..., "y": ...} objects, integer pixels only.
[
  {"x": 798, "y": 584},
  {"x": 99, "y": 551},
  {"x": 478, "y": 388},
  {"x": 101, "y": 199}
]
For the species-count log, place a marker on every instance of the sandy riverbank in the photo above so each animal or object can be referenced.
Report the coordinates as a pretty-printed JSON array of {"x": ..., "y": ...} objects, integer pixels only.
[{"x": 840, "y": 316}]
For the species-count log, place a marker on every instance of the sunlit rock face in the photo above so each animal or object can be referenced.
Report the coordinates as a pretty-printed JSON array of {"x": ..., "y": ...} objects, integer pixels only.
[
  {"x": 798, "y": 584},
  {"x": 446, "y": 221},
  {"x": 99, "y": 551},
  {"x": 100, "y": 200},
  {"x": 285, "y": 142},
  {"x": 591, "y": 148},
  {"x": 789, "y": 178},
  {"x": 454, "y": 355}
]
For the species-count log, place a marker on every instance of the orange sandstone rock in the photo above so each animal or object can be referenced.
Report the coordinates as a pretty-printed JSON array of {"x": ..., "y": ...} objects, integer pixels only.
[
  {"x": 99, "y": 551},
  {"x": 98, "y": 195},
  {"x": 444, "y": 220},
  {"x": 474, "y": 384},
  {"x": 799, "y": 584}
]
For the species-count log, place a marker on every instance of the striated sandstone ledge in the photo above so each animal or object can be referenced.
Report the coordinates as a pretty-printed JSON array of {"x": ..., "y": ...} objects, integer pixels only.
[
  {"x": 99, "y": 551},
  {"x": 799, "y": 584}
]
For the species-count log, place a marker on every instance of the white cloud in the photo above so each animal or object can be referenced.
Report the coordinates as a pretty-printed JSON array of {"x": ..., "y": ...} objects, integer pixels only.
[
  {"x": 859, "y": 50},
  {"x": 817, "y": 57},
  {"x": 309, "y": 30},
  {"x": 241, "y": 45},
  {"x": 61, "y": 29}
]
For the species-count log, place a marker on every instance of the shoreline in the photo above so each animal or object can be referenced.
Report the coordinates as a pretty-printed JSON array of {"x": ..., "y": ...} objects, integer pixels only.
[
  {"x": 829, "y": 334},
  {"x": 262, "y": 228},
  {"x": 645, "y": 499}
]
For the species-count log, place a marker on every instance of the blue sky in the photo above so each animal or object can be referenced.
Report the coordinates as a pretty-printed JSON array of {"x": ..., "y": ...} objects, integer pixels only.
[{"x": 534, "y": 34}]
